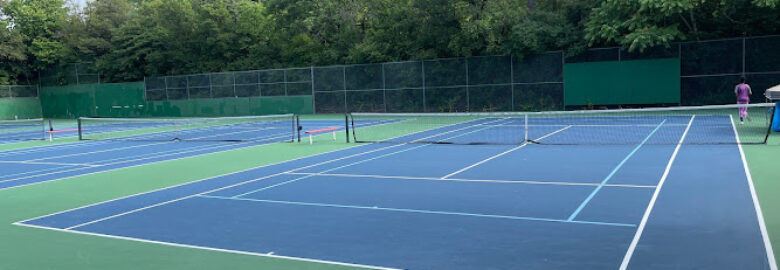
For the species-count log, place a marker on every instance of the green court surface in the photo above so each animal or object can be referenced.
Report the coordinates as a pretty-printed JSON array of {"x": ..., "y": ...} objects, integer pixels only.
[{"x": 29, "y": 248}]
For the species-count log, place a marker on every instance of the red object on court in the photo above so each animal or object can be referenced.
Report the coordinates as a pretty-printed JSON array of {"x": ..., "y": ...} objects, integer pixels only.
[
  {"x": 320, "y": 130},
  {"x": 310, "y": 132},
  {"x": 62, "y": 130}
]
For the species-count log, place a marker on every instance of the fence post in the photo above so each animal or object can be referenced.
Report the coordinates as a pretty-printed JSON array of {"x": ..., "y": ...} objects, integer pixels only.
[
  {"x": 313, "y": 96},
  {"x": 743, "y": 56},
  {"x": 284, "y": 71},
  {"x": 234, "y": 84},
  {"x": 384, "y": 87},
  {"x": 425, "y": 106},
  {"x": 468, "y": 97},
  {"x": 76, "y": 67},
  {"x": 344, "y": 77},
  {"x": 512, "y": 80}
]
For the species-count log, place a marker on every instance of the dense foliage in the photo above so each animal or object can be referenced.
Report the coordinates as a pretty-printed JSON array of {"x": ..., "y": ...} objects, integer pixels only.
[{"x": 130, "y": 39}]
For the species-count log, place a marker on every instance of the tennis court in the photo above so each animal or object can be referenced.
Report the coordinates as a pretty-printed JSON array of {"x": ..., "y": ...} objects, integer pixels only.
[{"x": 644, "y": 189}]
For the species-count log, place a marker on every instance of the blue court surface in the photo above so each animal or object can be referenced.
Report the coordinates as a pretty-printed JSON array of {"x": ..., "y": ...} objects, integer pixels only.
[
  {"x": 429, "y": 206},
  {"x": 27, "y": 166}
]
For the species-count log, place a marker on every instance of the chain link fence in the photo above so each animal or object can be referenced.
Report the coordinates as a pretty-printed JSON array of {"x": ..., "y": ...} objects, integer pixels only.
[
  {"x": 70, "y": 74},
  {"x": 256, "y": 83},
  {"x": 18, "y": 91},
  {"x": 709, "y": 71}
]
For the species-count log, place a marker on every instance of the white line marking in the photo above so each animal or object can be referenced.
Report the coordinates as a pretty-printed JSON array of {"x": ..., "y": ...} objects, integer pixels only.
[
  {"x": 139, "y": 146},
  {"x": 222, "y": 175},
  {"x": 187, "y": 183},
  {"x": 124, "y": 161},
  {"x": 759, "y": 214},
  {"x": 613, "y": 172},
  {"x": 246, "y": 182},
  {"x": 121, "y": 168},
  {"x": 471, "y": 180},
  {"x": 359, "y": 162},
  {"x": 418, "y": 211},
  {"x": 501, "y": 154},
  {"x": 48, "y": 163},
  {"x": 646, "y": 216},
  {"x": 268, "y": 255},
  {"x": 221, "y": 188}
]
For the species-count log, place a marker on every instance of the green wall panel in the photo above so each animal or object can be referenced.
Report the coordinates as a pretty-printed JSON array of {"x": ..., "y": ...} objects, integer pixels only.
[
  {"x": 127, "y": 100},
  {"x": 627, "y": 82},
  {"x": 20, "y": 108}
]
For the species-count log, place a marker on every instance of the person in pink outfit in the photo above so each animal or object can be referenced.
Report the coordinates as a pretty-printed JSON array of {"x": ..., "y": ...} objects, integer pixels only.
[{"x": 743, "y": 93}]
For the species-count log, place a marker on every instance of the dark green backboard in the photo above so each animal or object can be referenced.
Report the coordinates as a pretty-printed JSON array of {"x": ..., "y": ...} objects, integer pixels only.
[{"x": 622, "y": 82}]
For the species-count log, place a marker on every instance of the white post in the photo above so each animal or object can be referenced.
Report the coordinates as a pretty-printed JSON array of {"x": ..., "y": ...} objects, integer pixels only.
[
  {"x": 526, "y": 128},
  {"x": 311, "y": 141}
]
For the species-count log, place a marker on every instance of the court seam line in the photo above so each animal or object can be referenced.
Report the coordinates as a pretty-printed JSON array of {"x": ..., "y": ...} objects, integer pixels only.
[
  {"x": 237, "y": 184},
  {"x": 502, "y": 154},
  {"x": 651, "y": 204},
  {"x": 418, "y": 211},
  {"x": 143, "y": 145},
  {"x": 225, "y": 174},
  {"x": 362, "y": 161},
  {"x": 196, "y": 247},
  {"x": 532, "y": 182},
  {"x": 613, "y": 172},
  {"x": 759, "y": 213},
  {"x": 124, "y": 161}
]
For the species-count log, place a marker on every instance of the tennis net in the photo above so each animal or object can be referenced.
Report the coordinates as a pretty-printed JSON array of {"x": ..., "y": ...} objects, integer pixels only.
[
  {"x": 22, "y": 130},
  {"x": 266, "y": 128},
  {"x": 719, "y": 124}
]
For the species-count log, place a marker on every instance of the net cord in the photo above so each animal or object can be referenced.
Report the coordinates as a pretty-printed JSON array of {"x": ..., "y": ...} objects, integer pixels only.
[
  {"x": 580, "y": 112},
  {"x": 186, "y": 118}
]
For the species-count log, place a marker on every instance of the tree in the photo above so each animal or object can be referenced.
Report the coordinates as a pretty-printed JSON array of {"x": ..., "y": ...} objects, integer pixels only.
[
  {"x": 12, "y": 53},
  {"x": 641, "y": 24},
  {"x": 38, "y": 21}
]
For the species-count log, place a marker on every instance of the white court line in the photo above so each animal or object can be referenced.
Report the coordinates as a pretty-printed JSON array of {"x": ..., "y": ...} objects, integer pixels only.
[
  {"x": 268, "y": 255},
  {"x": 255, "y": 180},
  {"x": 193, "y": 182},
  {"x": 47, "y": 163},
  {"x": 501, "y": 154},
  {"x": 139, "y": 146},
  {"x": 760, "y": 215},
  {"x": 361, "y": 161},
  {"x": 646, "y": 216},
  {"x": 470, "y": 180},
  {"x": 223, "y": 175},
  {"x": 125, "y": 161}
]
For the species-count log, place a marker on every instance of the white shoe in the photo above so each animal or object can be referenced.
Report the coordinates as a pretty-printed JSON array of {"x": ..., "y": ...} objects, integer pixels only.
[{"x": 741, "y": 122}]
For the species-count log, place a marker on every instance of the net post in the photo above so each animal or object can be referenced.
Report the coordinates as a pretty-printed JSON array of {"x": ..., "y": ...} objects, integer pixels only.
[
  {"x": 525, "y": 126},
  {"x": 43, "y": 128},
  {"x": 81, "y": 138},
  {"x": 771, "y": 120},
  {"x": 297, "y": 127},
  {"x": 51, "y": 130},
  {"x": 346, "y": 125}
]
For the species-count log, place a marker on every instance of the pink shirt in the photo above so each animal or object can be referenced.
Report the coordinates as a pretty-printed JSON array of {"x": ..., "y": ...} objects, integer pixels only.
[{"x": 743, "y": 91}]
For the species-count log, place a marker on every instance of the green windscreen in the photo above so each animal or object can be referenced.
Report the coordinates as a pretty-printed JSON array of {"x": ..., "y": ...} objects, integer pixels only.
[
  {"x": 19, "y": 108},
  {"x": 623, "y": 82}
]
